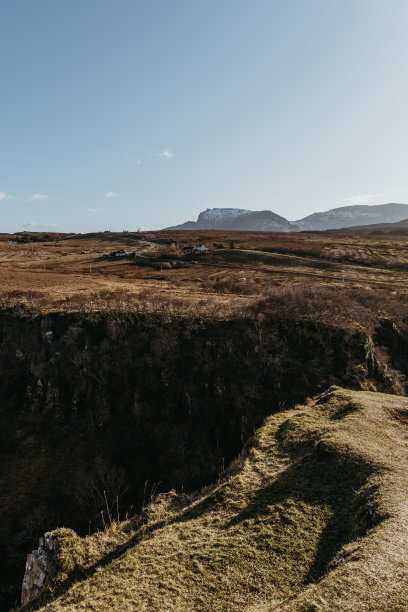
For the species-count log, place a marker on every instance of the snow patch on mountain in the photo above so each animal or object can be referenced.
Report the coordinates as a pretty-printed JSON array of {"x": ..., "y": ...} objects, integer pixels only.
[
  {"x": 348, "y": 216},
  {"x": 216, "y": 214},
  {"x": 238, "y": 219},
  {"x": 352, "y": 214}
]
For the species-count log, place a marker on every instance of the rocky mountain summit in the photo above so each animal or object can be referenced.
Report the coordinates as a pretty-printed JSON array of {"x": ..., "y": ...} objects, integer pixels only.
[{"x": 238, "y": 219}]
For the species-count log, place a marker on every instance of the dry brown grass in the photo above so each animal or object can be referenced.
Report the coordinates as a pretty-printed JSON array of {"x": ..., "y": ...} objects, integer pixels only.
[{"x": 63, "y": 270}]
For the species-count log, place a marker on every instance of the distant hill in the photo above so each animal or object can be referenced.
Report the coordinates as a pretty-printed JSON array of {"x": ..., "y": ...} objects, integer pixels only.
[
  {"x": 400, "y": 227},
  {"x": 238, "y": 219},
  {"x": 351, "y": 216}
]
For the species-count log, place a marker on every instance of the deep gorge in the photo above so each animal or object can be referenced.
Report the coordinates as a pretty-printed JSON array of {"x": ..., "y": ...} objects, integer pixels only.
[{"x": 120, "y": 405}]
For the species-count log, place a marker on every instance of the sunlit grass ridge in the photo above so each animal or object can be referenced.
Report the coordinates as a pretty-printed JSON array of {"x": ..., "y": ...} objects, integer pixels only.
[{"x": 311, "y": 517}]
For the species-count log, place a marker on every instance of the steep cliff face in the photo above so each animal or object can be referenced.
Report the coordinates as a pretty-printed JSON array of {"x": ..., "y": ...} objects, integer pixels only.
[
  {"x": 238, "y": 219},
  {"x": 96, "y": 412}
]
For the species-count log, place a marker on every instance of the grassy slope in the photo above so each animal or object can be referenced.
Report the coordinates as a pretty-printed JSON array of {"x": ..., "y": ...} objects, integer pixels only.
[{"x": 313, "y": 517}]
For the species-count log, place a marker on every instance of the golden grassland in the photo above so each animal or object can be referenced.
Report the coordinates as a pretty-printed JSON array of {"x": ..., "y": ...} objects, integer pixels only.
[
  {"x": 236, "y": 267},
  {"x": 311, "y": 516}
]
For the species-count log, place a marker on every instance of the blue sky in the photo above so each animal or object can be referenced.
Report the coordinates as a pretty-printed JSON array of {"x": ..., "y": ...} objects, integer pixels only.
[{"x": 120, "y": 114}]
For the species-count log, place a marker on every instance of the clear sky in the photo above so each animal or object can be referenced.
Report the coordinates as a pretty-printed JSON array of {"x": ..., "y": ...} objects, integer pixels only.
[{"x": 124, "y": 114}]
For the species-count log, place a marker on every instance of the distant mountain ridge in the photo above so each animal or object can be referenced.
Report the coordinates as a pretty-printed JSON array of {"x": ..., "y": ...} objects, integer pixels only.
[
  {"x": 238, "y": 219},
  {"x": 268, "y": 221},
  {"x": 351, "y": 216}
]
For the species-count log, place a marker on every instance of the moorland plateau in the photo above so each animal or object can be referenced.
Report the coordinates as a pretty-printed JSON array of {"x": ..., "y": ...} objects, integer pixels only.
[{"x": 224, "y": 430}]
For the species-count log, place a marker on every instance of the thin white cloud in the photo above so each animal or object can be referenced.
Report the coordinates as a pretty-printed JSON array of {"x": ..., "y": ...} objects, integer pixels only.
[
  {"x": 167, "y": 154},
  {"x": 36, "y": 225},
  {"x": 367, "y": 198},
  {"x": 93, "y": 210},
  {"x": 38, "y": 197},
  {"x": 132, "y": 159},
  {"x": 6, "y": 196},
  {"x": 111, "y": 194}
]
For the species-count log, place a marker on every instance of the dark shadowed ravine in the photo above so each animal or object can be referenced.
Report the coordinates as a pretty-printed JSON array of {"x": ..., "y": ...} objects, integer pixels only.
[{"x": 101, "y": 410}]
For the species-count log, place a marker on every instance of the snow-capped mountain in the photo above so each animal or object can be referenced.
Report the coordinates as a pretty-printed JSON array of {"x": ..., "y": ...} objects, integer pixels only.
[
  {"x": 349, "y": 216},
  {"x": 218, "y": 214},
  {"x": 238, "y": 219},
  {"x": 267, "y": 221}
]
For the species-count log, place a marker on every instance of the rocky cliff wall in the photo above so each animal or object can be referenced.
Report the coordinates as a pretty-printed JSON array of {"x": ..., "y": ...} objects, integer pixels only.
[{"x": 98, "y": 412}]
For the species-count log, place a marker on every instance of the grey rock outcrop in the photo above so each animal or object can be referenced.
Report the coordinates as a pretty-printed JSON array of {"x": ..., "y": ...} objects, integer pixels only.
[
  {"x": 36, "y": 570},
  {"x": 37, "y": 567}
]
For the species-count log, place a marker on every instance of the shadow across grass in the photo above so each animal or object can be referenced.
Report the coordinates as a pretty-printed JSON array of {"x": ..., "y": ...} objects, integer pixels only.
[{"x": 322, "y": 476}]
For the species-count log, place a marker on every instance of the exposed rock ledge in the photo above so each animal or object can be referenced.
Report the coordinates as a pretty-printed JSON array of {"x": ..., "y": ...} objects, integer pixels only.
[{"x": 38, "y": 564}]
